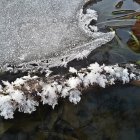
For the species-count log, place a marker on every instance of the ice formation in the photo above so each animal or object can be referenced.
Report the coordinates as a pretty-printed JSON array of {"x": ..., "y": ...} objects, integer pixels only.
[
  {"x": 47, "y": 33},
  {"x": 25, "y": 93},
  {"x": 39, "y": 34}
]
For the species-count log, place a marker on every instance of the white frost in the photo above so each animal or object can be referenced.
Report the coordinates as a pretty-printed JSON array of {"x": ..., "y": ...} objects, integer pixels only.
[
  {"x": 72, "y": 70},
  {"x": 6, "y": 108},
  {"x": 73, "y": 82},
  {"x": 75, "y": 96},
  {"x": 49, "y": 95},
  {"x": 13, "y": 97}
]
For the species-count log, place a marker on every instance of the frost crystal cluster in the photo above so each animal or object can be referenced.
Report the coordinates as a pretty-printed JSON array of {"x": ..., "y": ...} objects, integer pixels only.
[{"x": 25, "y": 93}]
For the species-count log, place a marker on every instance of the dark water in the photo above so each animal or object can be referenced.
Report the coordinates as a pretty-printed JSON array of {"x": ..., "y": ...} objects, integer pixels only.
[{"x": 103, "y": 114}]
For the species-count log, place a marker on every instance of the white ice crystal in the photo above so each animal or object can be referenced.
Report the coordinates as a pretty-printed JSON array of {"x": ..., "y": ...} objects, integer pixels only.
[
  {"x": 95, "y": 67},
  {"x": 85, "y": 21},
  {"x": 59, "y": 88},
  {"x": 109, "y": 70},
  {"x": 102, "y": 81},
  {"x": 112, "y": 81},
  {"x": 73, "y": 82},
  {"x": 125, "y": 76},
  {"x": 13, "y": 97},
  {"x": 132, "y": 76},
  {"x": 29, "y": 106},
  {"x": 17, "y": 96},
  {"x": 49, "y": 95},
  {"x": 72, "y": 70},
  {"x": 19, "y": 81},
  {"x": 74, "y": 96},
  {"x": 6, "y": 108},
  {"x": 65, "y": 92}
]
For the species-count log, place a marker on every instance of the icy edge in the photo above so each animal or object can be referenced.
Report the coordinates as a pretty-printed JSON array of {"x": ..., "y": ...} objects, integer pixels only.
[{"x": 77, "y": 52}]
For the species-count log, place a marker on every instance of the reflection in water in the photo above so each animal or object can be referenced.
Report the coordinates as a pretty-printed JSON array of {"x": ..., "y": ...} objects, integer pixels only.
[
  {"x": 103, "y": 114},
  {"x": 134, "y": 41}
]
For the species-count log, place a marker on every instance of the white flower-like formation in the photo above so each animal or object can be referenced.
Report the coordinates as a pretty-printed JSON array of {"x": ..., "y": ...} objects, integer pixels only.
[{"x": 25, "y": 93}]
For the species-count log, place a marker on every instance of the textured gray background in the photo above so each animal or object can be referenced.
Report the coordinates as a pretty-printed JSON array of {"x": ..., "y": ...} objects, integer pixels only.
[{"x": 33, "y": 29}]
